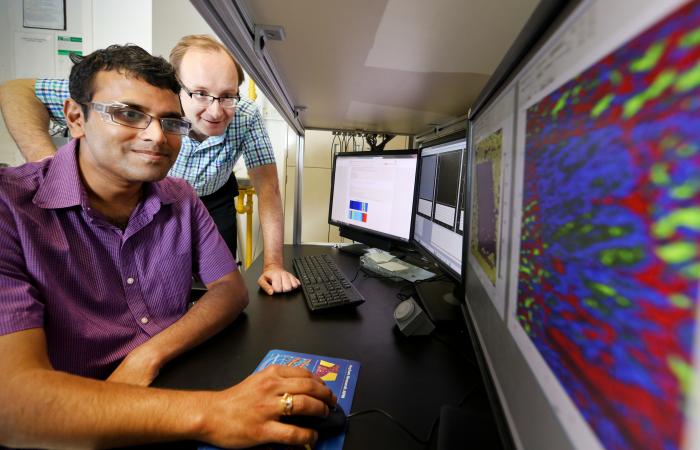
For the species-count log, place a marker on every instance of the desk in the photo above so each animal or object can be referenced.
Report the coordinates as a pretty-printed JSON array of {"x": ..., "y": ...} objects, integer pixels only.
[{"x": 410, "y": 378}]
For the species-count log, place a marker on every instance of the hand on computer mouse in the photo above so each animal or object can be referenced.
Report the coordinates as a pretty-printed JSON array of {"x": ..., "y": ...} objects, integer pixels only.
[
  {"x": 332, "y": 424},
  {"x": 248, "y": 413}
]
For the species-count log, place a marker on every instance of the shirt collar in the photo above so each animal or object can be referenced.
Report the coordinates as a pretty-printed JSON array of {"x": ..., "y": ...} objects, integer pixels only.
[
  {"x": 208, "y": 142},
  {"x": 62, "y": 187}
]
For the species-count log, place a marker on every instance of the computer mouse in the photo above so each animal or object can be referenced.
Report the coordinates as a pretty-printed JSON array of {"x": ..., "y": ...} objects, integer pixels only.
[{"x": 334, "y": 423}]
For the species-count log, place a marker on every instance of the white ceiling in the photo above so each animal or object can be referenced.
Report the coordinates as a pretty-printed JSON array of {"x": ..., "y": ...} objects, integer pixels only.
[{"x": 393, "y": 66}]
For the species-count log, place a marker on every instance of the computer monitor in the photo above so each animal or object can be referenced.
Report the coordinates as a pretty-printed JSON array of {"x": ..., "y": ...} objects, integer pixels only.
[
  {"x": 586, "y": 310},
  {"x": 439, "y": 220},
  {"x": 372, "y": 196},
  {"x": 439, "y": 224}
]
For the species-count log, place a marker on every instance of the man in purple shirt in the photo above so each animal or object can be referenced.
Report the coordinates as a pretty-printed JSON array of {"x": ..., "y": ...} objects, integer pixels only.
[{"x": 98, "y": 250}]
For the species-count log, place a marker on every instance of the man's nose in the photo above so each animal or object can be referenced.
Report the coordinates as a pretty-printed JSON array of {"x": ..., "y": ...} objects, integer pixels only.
[
  {"x": 154, "y": 132},
  {"x": 215, "y": 109}
]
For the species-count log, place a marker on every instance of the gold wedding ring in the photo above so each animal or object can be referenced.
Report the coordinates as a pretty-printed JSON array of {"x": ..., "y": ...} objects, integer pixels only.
[{"x": 287, "y": 401}]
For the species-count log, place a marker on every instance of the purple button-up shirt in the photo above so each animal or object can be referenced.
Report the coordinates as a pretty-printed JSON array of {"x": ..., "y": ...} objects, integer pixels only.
[{"x": 96, "y": 290}]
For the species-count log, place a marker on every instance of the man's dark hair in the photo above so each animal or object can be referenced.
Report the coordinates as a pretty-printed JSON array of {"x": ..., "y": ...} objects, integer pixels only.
[{"x": 129, "y": 59}]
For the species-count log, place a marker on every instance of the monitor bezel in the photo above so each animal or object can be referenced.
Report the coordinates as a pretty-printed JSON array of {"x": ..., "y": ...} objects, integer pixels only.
[{"x": 385, "y": 153}]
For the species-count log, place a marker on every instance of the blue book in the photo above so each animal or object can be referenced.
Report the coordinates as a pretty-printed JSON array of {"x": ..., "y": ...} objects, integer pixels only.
[{"x": 340, "y": 375}]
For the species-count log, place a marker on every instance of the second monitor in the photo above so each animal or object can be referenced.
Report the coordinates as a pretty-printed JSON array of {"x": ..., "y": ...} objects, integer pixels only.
[
  {"x": 439, "y": 221},
  {"x": 439, "y": 225}
]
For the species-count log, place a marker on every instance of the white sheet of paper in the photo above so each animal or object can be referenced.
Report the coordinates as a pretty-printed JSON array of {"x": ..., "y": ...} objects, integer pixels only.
[
  {"x": 34, "y": 55},
  {"x": 380, "y": 257},
  {"x": 393, "y": 266}
]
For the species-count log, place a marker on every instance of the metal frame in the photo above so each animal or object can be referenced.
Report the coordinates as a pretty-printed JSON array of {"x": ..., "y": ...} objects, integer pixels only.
[{"x": 299, "y": 189}]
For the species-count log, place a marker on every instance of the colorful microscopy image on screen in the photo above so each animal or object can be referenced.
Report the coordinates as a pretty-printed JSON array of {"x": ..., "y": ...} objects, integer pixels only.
[
  {"x": 485, "y": 202},
  {"x": 610, "y": 244}
]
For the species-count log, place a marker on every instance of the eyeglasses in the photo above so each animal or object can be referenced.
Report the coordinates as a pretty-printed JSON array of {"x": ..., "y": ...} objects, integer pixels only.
[
  {"x": 122, "y": 114},
  {"x": 202, "y": 99}
]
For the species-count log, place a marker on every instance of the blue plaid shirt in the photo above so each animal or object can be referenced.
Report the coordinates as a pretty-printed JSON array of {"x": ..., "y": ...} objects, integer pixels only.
[{"x": 206, "y": 165}]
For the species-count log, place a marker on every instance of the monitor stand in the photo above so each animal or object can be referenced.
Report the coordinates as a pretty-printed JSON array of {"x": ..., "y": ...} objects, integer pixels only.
[
  {"x": 366, "y": 238},
  {"x": 440, "y": 299},
  {"x": 354, "y": 249}
]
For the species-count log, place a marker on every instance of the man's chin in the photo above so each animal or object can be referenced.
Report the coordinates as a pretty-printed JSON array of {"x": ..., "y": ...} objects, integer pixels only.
[
  {"x": 147, "y": 176},
  {"x": 213, "y": 129},
  {"x": 150, "y": 171}
]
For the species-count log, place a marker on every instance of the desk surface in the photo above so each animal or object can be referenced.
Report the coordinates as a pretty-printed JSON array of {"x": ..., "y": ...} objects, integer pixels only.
[{"x": 410, "y": 378}]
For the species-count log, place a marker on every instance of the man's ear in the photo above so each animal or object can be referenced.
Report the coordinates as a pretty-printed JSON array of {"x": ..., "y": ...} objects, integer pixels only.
[{"x": 75, "y": 118}]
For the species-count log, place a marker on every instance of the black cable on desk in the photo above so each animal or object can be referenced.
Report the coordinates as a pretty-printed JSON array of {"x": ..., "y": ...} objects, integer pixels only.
[
  {"x": 425, "y": 441},
  {"x": 398, "y": 424}
]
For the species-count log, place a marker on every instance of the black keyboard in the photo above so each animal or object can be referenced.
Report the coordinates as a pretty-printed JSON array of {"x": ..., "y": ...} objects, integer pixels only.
[{"x": 323, "y": 284}]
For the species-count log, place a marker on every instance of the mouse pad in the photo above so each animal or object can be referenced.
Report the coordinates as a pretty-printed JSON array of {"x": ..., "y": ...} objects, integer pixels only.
[{"x": 340, "y": 375}]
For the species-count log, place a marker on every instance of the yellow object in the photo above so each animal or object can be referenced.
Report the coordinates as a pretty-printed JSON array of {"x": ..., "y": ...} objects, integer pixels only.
[
  {"x": 252, "y": 93},
  {"x": 244, "y": 205},
  {"x": 328, "y": 371}
]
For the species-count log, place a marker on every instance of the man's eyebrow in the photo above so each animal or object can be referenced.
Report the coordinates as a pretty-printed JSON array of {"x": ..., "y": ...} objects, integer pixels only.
[
  {"x": 228, "y": 92},
  {"x": 143, "y": 109}
]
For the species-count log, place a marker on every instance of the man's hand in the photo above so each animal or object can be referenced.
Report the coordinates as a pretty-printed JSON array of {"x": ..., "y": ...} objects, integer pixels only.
[
  {"x": 248, "y": 413},
  {"x": 140, "y": 368},
  {"x": 275, "y": 279}
]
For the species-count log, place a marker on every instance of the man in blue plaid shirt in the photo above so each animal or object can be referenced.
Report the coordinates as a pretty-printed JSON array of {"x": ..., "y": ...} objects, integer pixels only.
[{"x": 224, "y": 128}]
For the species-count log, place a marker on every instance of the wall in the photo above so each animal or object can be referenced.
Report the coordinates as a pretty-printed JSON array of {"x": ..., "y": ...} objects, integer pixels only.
[
  {"x": 173, "y": 19},
  {"x": 120, "y": 22}
]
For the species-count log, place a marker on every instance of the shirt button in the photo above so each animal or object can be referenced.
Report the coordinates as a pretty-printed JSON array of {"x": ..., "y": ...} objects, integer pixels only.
[
  {"x": 144, "y": 320},
  {"x": 129, "y": 280}
]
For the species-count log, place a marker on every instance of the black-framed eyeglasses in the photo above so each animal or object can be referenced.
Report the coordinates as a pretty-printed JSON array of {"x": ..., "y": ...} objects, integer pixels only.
[
  {"x": 122, "y": 114},
  {"x": 202, "y": 99}
]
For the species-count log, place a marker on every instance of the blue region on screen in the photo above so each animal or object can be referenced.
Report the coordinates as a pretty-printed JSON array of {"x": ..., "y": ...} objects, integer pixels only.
[
  {"x": 358, "y": 206},
  {"x": 356, "y": 215}
]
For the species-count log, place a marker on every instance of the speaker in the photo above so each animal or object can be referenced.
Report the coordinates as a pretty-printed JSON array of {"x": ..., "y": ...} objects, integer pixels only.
[{"x": 411, "y": 319}]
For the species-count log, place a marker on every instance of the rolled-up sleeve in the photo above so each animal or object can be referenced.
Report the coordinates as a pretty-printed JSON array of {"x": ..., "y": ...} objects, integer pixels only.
[{"x": 20, "y": 305}]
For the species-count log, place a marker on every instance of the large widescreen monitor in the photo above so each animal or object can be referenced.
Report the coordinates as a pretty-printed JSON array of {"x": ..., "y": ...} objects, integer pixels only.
[
  {"x": 439, "y": 220},
  {"x": 372, "y": 194},
  {"x": 584, "y": 256}
]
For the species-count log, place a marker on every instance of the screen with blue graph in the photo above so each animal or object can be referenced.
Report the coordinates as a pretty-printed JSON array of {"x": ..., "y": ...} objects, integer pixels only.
[{"x": 373, "y": 192}]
